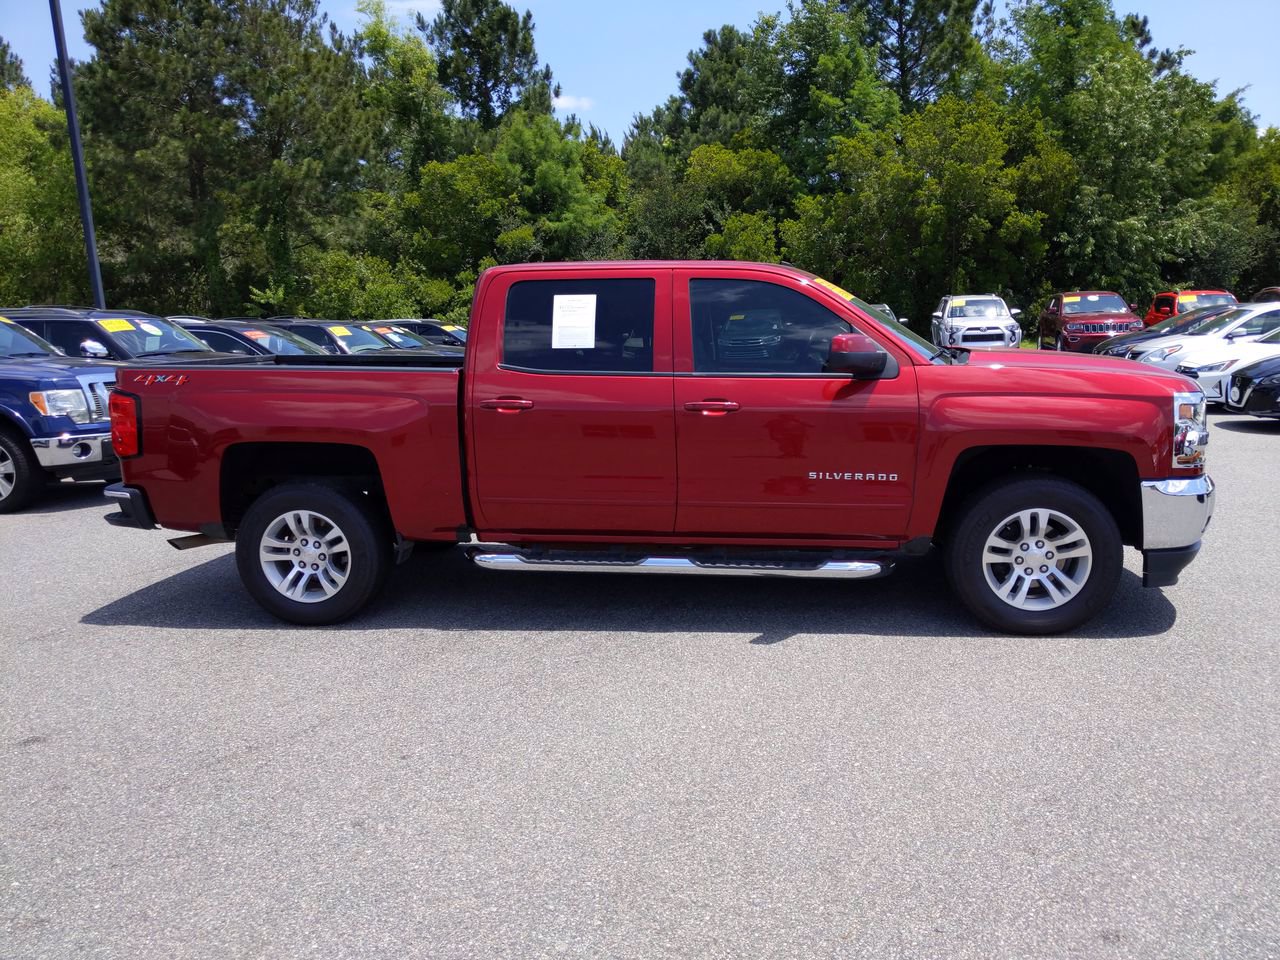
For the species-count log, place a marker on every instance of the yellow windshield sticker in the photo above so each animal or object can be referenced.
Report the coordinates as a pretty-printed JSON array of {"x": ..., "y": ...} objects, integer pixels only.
[
  {"x": 450, "y": 327},
  {"x": 1070, "y": 299},
  {"x": 340, "y": 331},
  {"x": 115, "y": 326},
  {"x": 1186, "y": 297},
  {"x": 834, "y": 288},
  {"x": 959, "y": 302},
  {"x": 737, "y": 316},
  {"x": 5, "y": 320}
]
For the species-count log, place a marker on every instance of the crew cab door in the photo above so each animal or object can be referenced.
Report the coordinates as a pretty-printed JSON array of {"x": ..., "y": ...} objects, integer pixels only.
[
  {"x": 569, "y": 402},
  {"x": 768, "y": 443}
]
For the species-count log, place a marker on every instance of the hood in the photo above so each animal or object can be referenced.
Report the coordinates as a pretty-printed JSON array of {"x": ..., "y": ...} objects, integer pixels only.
[
  {"x": 1052, "y": 360},
  {"x": 1259, "y": 368},
  {"x": 52, "y": 367},
  {"x": 1119, "y": 316},
  {"x": 1195, "y": 354}
]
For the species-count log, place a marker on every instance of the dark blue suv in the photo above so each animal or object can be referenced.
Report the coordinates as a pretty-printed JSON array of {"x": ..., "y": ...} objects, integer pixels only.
[{"x": 53, "y": 417}]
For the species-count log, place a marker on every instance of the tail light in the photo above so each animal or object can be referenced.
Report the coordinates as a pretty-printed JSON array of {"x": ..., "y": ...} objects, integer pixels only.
[{"x": 125, "y": 439}]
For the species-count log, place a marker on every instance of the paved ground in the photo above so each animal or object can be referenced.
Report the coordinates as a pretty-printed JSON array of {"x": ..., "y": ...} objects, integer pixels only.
[{"x": 559, "y": 765}]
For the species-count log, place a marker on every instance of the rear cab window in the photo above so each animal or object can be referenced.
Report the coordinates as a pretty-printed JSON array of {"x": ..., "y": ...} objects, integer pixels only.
[{"x": 603, "y": 325}]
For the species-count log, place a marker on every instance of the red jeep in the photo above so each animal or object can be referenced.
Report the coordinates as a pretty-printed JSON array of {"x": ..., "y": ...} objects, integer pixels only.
[
  {"x": 1172, "y": 302},
  {"x": 1082, "y": 319}
]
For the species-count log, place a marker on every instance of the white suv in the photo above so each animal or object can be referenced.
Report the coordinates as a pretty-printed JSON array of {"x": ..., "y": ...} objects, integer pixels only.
[{"x": 975, "y": 321}]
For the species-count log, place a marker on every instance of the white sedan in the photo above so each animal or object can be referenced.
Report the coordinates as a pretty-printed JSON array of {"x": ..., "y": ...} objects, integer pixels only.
[
  {"x": 1213, "y": 362},
  {"x": 1245, "y": 322}
]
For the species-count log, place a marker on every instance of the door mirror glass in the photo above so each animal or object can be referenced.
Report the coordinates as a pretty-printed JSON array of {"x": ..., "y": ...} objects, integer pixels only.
[
  {"x": 857, "y": 354},
  {"x": 1015, "y": 311},
  {"x": 93, "y": 349},
  {"x": 1133, "y": 307}
]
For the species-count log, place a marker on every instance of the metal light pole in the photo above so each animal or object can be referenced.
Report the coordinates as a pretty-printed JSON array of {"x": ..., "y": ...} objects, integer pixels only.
[{"x": 77, "y": 157}]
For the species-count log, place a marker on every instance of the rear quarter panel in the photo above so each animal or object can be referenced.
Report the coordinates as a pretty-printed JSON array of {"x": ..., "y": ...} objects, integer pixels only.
[{"x": 190, "y": 417}]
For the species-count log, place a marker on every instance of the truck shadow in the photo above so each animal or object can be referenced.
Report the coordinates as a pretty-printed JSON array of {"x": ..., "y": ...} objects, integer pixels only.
[
  {"x": 1250, "y": 425},
  {"x": 445, "y": 592},
  {"x": 61, "y": 497}
]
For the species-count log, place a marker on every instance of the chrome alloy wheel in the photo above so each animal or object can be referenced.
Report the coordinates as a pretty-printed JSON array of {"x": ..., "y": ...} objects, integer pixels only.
[
  {"x": 305, "y": 556},
  {"x": 1037, "y": 559},
  {"x": 8, "y": 474}
]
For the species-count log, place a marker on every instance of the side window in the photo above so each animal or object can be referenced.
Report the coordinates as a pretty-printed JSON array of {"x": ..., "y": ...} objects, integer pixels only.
[
  {"x": 572, "y": 326},
  {"x": 314, "y": 334},
  {"x": 752, "y": 326},
  {"x": 70, "y": 335},
  {"x": 1164, "y": 303},
  {"x": 222, "y": 341},
  {"x": 1261, "y": 323}
]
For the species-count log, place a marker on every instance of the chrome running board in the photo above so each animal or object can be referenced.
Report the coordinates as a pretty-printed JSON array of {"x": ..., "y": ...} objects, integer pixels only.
[{"x": 826, "y": 570}]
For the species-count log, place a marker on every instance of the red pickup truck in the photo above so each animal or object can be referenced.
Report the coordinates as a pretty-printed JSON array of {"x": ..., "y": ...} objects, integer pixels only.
[{"x": 680, "y": 418}]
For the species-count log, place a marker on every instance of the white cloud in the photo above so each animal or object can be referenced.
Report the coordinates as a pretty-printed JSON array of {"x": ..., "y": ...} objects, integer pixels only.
[{"x": 569, "y": 102}]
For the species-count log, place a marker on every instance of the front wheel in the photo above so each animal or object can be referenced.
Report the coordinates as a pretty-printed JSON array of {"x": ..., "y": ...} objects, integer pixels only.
[
  {"x": 21, "y": 476},
  {"x": 1035, "y": 555},
  {"x": 312, "y": 554}
]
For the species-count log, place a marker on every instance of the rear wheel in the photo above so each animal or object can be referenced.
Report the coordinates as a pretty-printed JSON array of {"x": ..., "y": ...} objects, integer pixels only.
[
  {"x": 21, "y": 476},
  {"x": 1035, "y": 555},
  {"x": 312, "y": 554}
]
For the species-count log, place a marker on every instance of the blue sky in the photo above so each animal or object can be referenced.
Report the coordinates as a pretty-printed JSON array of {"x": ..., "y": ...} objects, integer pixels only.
[{"x": 614, "y": 60}]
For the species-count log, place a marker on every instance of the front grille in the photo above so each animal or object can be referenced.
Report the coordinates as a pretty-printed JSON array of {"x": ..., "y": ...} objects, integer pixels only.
[
  {"x": 1098, "y": 328},
  {"x": 98, "y": 393},
  {"x": 982, "y": 337}
]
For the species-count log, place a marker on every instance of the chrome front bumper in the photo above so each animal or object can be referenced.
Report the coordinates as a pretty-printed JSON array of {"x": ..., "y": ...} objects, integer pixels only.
[
  {"x": 1175, "y": 512},
  {"x": 72, "y": 450}
]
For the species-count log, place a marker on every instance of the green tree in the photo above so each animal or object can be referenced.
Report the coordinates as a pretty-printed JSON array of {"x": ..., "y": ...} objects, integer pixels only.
[
  {"x": 228, "y": 134},
  {"x": 921, "y": 44},
  {"x": 11, "y": 74},
  {"x": 487, "y": 57},
  {"x": 816, "y": 73},
  {"x": 41, "y": 245}
]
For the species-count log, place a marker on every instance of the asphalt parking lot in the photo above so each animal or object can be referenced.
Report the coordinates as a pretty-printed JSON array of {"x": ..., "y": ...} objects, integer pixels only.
[{"x": 494, "y": 765}]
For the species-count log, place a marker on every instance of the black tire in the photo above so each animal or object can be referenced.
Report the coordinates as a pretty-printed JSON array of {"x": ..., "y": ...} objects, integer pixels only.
[
  {"x": 369, "y": 557},
  {"x": 1059, "y": 345},
  {"x": 21, "y": 469},
  {"x": 979, "y": 517}
]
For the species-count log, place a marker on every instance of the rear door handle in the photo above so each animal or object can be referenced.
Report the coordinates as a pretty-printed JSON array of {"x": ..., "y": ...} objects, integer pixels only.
[
  {"x": 711, "y": 408},
  {"x": 507, "y": 404}
]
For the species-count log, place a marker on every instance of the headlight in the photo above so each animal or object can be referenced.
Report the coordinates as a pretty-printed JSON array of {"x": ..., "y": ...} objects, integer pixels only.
[
  {"x": 61, "y": 403},
  {"x": 1215, "y": 367},
  {"x": 1271, "y": 381},
  {"x": 1164, "y": 353},
  {"x": 1190, "y": 431},
  {"x": 1075, "y": 326}
]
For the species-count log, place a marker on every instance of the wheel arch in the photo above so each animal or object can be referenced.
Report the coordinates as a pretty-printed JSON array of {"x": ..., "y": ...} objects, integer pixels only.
[
  {"x": 1110, "y": 475},
  {"x": 250, "y": 469}
]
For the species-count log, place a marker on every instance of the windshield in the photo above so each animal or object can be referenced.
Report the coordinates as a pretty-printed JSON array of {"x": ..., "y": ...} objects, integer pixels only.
[
  {"x": 1074, "y": 303},
  {"x": 1188, "y": 300},
  {"x": 356, "y": 340},
  {"x": 1221, "y": 322},
  {"x": 142, "y": 335},
  {"x": 1186, "y": 322},
  {"x": 909, "y": 338},
  {"x": 400, "y": 337},
  {"x": 977, "y": 307},
  {"x": 17, "y": 341},
  {"x": 280, "y": 342}
]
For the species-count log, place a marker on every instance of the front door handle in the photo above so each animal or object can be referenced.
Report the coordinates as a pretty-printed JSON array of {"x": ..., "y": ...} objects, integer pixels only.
[
  {"x": 711, "y": 408},
  {"x": 507, "y": 404}
]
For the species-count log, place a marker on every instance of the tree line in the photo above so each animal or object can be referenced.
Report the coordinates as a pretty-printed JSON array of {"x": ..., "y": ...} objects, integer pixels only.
[{"x": 245, "y": 156}]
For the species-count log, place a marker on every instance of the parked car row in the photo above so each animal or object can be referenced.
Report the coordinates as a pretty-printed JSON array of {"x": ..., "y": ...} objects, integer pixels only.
[{"x": 58, "y": 366}]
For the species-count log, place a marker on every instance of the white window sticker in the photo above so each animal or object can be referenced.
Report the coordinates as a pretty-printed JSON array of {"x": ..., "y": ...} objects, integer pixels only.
[{"x": 573, "y": 321}]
